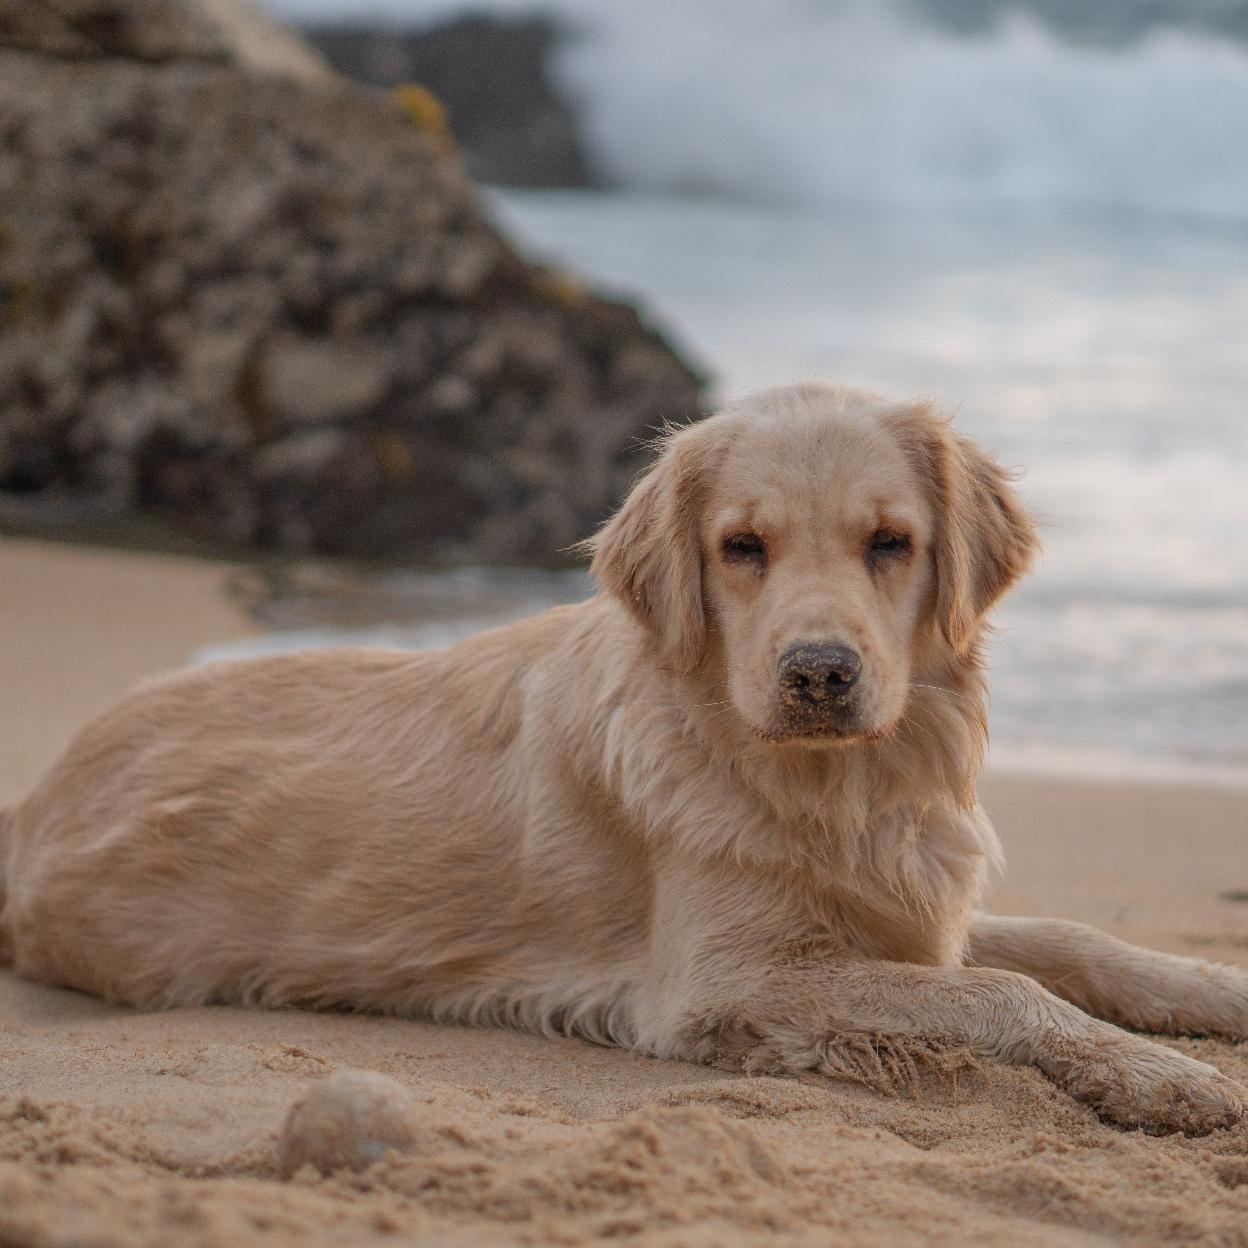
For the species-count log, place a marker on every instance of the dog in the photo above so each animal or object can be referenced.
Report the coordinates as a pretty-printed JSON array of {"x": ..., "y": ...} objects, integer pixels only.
[{"x": 722, "y": 811}]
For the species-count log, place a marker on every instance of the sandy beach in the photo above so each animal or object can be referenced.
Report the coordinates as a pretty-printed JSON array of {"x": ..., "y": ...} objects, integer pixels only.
[{"x": 119, "y": 1128}]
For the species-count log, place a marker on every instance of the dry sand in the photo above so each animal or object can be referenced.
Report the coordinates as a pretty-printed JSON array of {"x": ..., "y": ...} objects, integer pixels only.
[{"x": 119, "y": 1128}]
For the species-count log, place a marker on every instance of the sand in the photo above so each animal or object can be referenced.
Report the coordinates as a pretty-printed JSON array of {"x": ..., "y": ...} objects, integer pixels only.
[{"x": 119, "y": 1128}]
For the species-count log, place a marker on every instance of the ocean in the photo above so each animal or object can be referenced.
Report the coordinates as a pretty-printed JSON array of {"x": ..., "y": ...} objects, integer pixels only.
[{"x": 1040, "y": 224}]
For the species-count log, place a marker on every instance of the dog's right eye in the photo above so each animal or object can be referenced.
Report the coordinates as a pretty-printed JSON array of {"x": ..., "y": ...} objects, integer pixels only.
[{"x": 745, "y": 548}]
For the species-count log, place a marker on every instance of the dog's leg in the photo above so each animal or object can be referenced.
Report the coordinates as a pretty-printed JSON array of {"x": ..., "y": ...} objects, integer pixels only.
[
  {"x": 1114, "y": 980},
  {"x": 793, "y": 1011}
]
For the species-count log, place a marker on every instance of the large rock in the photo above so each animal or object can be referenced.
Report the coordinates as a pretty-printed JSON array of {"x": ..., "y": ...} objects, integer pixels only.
[{"x": 240, "y": 295}]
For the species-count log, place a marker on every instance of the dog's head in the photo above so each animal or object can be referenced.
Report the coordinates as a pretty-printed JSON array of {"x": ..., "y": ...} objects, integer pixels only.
[{"x": 815, "y": 549}]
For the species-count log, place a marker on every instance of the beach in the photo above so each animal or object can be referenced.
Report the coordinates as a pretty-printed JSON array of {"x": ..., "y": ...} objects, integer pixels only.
[{"x": 121, "y": 1128}]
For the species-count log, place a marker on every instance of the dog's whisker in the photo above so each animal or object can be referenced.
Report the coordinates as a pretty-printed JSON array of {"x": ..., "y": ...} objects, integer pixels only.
[
  {"x": 953, "y": 693},
  {"x": 908, "y": 722},
  {"x": 683, "y": 706}
]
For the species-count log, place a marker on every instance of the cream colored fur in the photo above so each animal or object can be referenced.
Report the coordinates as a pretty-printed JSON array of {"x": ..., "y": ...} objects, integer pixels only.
[{"x": 607, "y": 821}]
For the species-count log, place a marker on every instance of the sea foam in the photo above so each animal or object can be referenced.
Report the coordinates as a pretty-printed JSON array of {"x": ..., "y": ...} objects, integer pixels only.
[{"x": 810, "y": 102}]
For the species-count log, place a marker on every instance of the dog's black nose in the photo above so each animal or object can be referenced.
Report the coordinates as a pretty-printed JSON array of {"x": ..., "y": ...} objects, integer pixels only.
[{"x": 818, "y": 671}]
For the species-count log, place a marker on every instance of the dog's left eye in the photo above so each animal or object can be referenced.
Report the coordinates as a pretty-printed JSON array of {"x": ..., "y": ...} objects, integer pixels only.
[
  {"x": 745, "y": 546},
  {"x": 886, "y": 542}
]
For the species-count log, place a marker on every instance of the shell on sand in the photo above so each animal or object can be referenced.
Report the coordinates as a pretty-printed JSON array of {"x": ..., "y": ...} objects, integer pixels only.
[{"x": 347, "y": 1122}]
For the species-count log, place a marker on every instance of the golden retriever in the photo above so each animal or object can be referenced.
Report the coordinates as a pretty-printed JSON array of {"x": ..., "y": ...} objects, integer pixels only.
[{"x": 723, "y": 811}]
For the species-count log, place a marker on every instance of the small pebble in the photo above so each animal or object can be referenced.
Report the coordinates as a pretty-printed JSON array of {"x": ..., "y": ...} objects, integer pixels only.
[{"x": 347, "y": 1122}]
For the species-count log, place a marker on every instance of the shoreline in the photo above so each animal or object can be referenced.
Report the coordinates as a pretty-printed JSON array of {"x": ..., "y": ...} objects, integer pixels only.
[
  {"x": 81, "y": 625},
  {"x": 1061, "y": 767}
]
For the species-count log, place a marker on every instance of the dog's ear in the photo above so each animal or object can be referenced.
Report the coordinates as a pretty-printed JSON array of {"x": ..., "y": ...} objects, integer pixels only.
[
  {"x": 984, "y": 539},
  {"x": 649, "y": 554}
]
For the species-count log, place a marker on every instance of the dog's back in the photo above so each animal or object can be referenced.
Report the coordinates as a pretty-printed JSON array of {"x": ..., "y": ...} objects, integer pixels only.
[{"x": 345, "y": 827}]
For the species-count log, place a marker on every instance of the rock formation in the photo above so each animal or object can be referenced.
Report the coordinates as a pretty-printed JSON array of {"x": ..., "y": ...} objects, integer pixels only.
[{"x": 242, "y": 296}]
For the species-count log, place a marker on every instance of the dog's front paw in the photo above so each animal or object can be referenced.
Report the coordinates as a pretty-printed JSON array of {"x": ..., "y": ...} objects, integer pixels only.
[{"x": 1139, "y": 1084}]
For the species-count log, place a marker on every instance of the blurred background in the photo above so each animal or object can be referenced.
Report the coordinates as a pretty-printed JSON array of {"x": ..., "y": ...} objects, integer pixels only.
[{"x": 321, "y": 321}]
